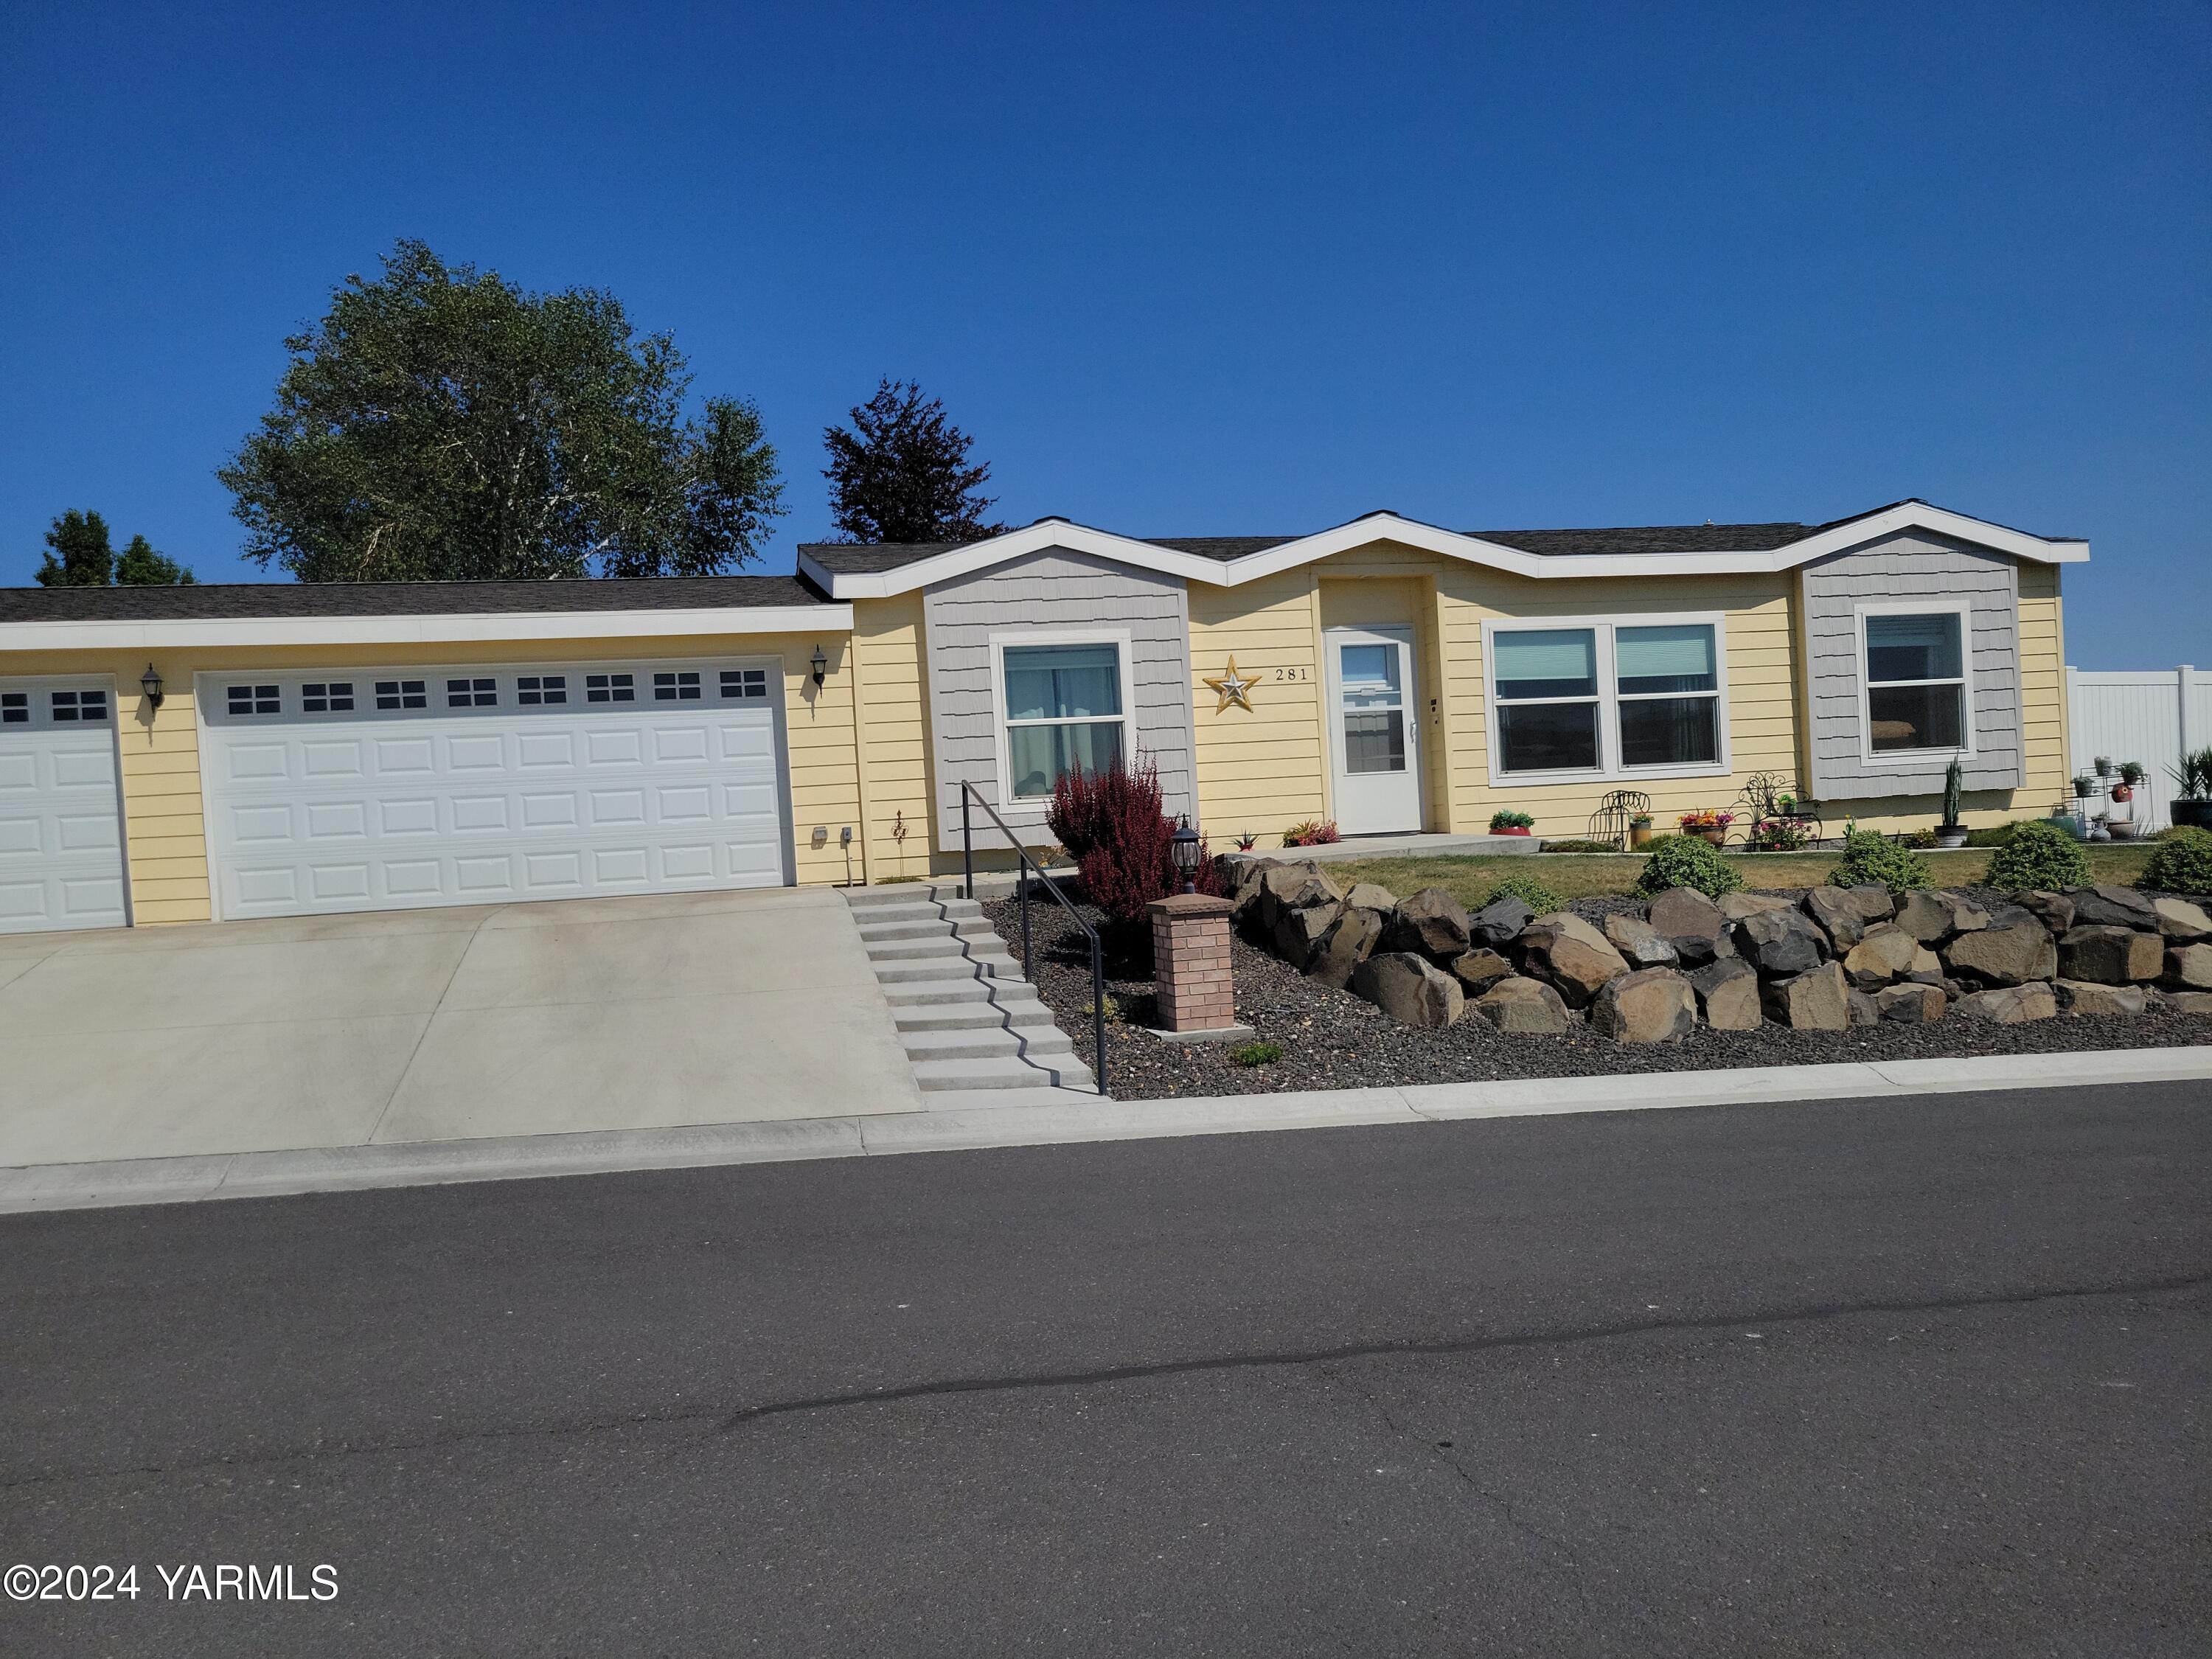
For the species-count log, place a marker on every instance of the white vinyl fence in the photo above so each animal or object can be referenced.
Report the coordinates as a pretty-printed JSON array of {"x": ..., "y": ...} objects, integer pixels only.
[{"x": 2152, "y": 716}]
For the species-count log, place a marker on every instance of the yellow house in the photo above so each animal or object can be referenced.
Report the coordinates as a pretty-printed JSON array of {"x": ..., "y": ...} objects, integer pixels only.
[{"x": 180, "y": 754}]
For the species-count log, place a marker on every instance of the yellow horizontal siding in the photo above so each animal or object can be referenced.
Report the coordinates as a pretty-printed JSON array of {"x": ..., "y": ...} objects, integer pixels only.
[
  {"x": 1263, "y": 769},
  {"x": 888, "y": 648}
]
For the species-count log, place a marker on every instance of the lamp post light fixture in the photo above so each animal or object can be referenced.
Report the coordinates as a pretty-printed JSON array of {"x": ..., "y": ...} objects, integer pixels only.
[
  {"x": 820, "y": 665},
  {"x": 150, "y": 683},
  {"x": 1184, "y": 847}
]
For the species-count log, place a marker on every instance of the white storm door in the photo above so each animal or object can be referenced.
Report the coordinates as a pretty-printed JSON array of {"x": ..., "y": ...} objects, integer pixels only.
[
  {"x": 382, "y": 789},
  {"x": 1373, "y": 733},
  {"x": 61, "y": 812}
]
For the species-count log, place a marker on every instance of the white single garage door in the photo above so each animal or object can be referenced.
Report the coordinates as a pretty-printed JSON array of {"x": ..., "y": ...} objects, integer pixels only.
[
  {"x": 61, "y": 825},
  {"x": 376, "y": 789}
]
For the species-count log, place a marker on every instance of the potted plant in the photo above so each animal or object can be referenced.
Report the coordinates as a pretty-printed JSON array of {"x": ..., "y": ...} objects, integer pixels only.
[
  {"x": 1639, "y": 829},
  {"x": 2104, "y": 766},
  {"x": 1952, "y": 833},
  {"x": 1706, "y": 825},
  {"x": 2192, "y": 779},
  {"x": 1506, "y": 823}
]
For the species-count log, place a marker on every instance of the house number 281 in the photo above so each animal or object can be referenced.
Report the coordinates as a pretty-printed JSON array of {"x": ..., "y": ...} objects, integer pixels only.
[{"x": 1292, "y": 674}]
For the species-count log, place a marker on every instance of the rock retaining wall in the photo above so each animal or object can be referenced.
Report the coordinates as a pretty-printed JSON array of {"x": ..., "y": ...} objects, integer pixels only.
[{"x": 1825, "y": 960}]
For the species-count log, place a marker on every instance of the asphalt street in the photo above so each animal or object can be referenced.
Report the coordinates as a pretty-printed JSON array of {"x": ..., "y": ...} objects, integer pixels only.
[{"x": 1852, "y": 1377}]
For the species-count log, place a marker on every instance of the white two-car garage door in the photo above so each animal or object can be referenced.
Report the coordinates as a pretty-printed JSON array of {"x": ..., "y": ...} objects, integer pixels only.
[
  {"x": 61, "y": 835},
  {"x": 374, "y": 789}
]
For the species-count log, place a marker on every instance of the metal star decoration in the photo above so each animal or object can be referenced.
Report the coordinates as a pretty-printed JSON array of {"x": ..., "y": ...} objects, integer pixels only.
[{"x": 1232, "y": 688}]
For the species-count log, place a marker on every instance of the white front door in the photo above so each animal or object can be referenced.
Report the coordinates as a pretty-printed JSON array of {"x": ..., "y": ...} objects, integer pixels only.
[
  {"x": 1373, "y": 732},
  {"x": 61, "y": 823},
  {"x": 388, "y": 788}
]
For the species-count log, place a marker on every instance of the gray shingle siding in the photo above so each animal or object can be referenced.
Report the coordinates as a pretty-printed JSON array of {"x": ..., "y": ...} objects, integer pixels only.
[
  {"x": 1914, "y": 565},
  {"x": 1053, "y": 590}
]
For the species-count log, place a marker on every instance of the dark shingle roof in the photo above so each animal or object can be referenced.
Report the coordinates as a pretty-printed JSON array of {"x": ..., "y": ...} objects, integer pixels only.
[{"x": 228, "y": 601}]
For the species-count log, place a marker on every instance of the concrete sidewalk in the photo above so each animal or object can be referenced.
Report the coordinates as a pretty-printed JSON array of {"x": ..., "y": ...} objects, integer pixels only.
[{"x": 1077, "y": 1118}]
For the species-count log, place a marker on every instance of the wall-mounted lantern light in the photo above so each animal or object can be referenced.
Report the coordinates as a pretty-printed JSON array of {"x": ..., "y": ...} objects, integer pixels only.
[
  {"x": 820, "y": 665},
  {"x": 1184, "y": 847},
  {"x": 150, "y": 683}
]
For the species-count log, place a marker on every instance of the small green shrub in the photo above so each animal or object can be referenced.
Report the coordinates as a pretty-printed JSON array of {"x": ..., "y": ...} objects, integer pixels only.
[
  {"x": 1509, "y": 819},
  {"x": 1686, "y": 861},
  {"x": 2040, "y": 857},
  {"x": 1255, "y": 1053},
  {"x": 1999, "y": 836},
  {"x": 1581, "y": 847},
  {"x": 1874, "y": 860},
  {"x": 1529, "y": 890},
  {"x": 1919, "y": 840},
  {"x": 2181, "y": 862}
]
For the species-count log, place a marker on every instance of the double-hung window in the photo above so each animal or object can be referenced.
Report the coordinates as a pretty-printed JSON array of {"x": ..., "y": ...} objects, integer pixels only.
[
  {"x": 1916, "y": 681},
  {"x": 1063, "y": 712},
  {"x": 1607, "y": 698}
]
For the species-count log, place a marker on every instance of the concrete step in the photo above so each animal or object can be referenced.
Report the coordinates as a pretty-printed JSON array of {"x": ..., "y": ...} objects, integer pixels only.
[
  {"x": 1003, "y": 1010},
  {"x": 1005, "y": 1071},
  {"x": 944, "y": 992},
  {"x": 883, "y": 914},
  {"x": 955, "y": 1100},
  {"x": 985, "y": 973},
  {"x": 893, "y": 893},
  {"x": 1040, "y": 1042},
  {"x": 942, "y": 944},
  {"x": 873, "y": 932}
]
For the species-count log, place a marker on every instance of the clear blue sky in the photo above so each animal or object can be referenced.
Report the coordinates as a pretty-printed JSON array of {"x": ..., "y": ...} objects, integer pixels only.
[{"x": 1191, "y": 270}]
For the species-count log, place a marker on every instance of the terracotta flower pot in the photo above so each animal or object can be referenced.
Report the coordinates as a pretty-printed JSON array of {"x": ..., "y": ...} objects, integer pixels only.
[
  {"x": 1639, "y": 834},
  {"x": 1718, "y": 837}
]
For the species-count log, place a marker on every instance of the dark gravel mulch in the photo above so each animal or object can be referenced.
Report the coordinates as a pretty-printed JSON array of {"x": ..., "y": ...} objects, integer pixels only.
[{"x": 1333, "y": 1040}]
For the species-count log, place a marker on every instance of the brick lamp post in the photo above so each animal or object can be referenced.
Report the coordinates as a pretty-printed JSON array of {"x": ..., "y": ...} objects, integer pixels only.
[{"x": 1196, "y": 997}]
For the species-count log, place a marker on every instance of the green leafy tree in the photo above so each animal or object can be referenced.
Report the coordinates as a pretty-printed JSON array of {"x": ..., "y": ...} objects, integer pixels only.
[
  {"x": 901, "y": 473},
  {"x": 442, "y": 424},
  {"x": 80, "y": 554}
]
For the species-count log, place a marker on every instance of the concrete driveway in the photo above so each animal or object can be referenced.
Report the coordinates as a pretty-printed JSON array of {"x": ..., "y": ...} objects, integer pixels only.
[{"x": 519, "y": 1019}]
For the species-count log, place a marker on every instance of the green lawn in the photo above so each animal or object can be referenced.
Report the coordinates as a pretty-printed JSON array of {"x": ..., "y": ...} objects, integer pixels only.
[{"x": 1584, "y": 875}]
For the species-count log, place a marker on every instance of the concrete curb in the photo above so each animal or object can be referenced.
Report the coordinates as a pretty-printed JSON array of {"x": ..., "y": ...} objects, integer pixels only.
[{"x": 435, "y": 1163}]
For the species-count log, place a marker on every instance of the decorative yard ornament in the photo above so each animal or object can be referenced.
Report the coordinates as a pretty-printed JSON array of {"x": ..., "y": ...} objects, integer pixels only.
[{"x": 1232, "y": 688}]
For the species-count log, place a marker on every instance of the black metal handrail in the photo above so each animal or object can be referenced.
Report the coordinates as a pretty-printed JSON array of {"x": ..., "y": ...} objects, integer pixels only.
[{"x": 967, "y": 792}]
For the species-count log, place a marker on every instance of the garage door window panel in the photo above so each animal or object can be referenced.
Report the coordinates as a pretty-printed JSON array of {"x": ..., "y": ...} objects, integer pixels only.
[
  {"x": 479, "y": 693},
  {"x": 326, "y": 697},
  {"x": 14, "y": 709},
  {"x": 396, "y": 695},
  {"x": 609, "y": 688},
  {"x": 541, "y": 690},
  {"x": 255, "y": 700}
]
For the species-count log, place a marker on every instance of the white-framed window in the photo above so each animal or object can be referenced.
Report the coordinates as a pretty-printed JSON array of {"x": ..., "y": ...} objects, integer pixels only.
[
  {"x": 401, "y": 693},
  {"x": 254, "y": 699},
  {"x": 1605, "y": 697},
  {"x": 326, "y": 697},
  {"x": 1063, "y": 703},
  {"x": 1916, "y": 682}
]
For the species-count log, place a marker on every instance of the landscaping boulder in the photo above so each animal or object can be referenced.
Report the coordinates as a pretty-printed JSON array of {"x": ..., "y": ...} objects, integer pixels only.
[
  {"x": 1290, "y": 887},
  {"x": 2110, "y": 955},
  {"x": 1932, "y": 918},
  {"x": 1368, "y": 896},
  {"x": 2181, "y": 921},
  {"x": 2003, "y": 956},
  {"x": 1728, "y": 995},
  {"x": 1638, "y": 941},
  {"x": 1912, "y": 1005},
  {"x": 1350, "y": 941},
  {"x": 1409, "y": 989},
  {"x": 1569, "y": 954},
  {"x": 1651, "y": 1004},
  {"x": 1525, "y": 1007},
  {"x": 2107, "y": 905},
  {"x": 1845, "y": 912},
  {"x": 1691, "y": 923},
  {"x": 2054, "y": 910},
  {"x": 2190, "y": 1002},
  {"x": 2009, "y": 1005},
  {"x": 1865, "y": 1011},
  {"x": 1818, "y": 999},
  {"x": 1481, "y": 969},
  {"x": 1499, "y": 922},
  {"x": 1296, "y": 934},
  {"x": 1779, "y": 942},
  {"x": 1737, "y": 906},
  {"x": 2189, "y": 967},
  {"x": 1248, "y": 884},
  {"x": 1431, "y": 923},
  {"x": 1885, "y": 953},
  {"x": 1926, "y": 967},
  {"x": 2078, "y": 996}
]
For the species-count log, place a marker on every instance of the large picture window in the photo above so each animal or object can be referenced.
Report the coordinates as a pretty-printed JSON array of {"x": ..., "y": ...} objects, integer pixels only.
[
  {"x": 1064, "y": 713},
  {"x": 1608, "y": 698},
  {"x": 1916, "y": 680}
]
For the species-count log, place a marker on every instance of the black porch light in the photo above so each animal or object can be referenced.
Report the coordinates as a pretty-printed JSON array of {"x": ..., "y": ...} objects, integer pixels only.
[
  {"x": 820, "y": 665},
  {"x": 1184, "y": 847},
  {"x": 150, "y": 683}
]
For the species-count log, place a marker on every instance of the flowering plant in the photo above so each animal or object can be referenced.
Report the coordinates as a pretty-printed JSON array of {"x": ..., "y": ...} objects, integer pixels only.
[{"x": 1705, "y": 818}]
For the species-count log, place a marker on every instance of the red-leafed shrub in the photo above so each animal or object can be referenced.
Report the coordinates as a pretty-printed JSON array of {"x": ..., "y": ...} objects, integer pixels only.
[{"x": 1112, "y": 825}]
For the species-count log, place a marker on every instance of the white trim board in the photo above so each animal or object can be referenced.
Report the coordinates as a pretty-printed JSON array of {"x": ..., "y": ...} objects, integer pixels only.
[
  {"x": 1389, "y": 526},
  {"x": 475, "y": 628}
]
